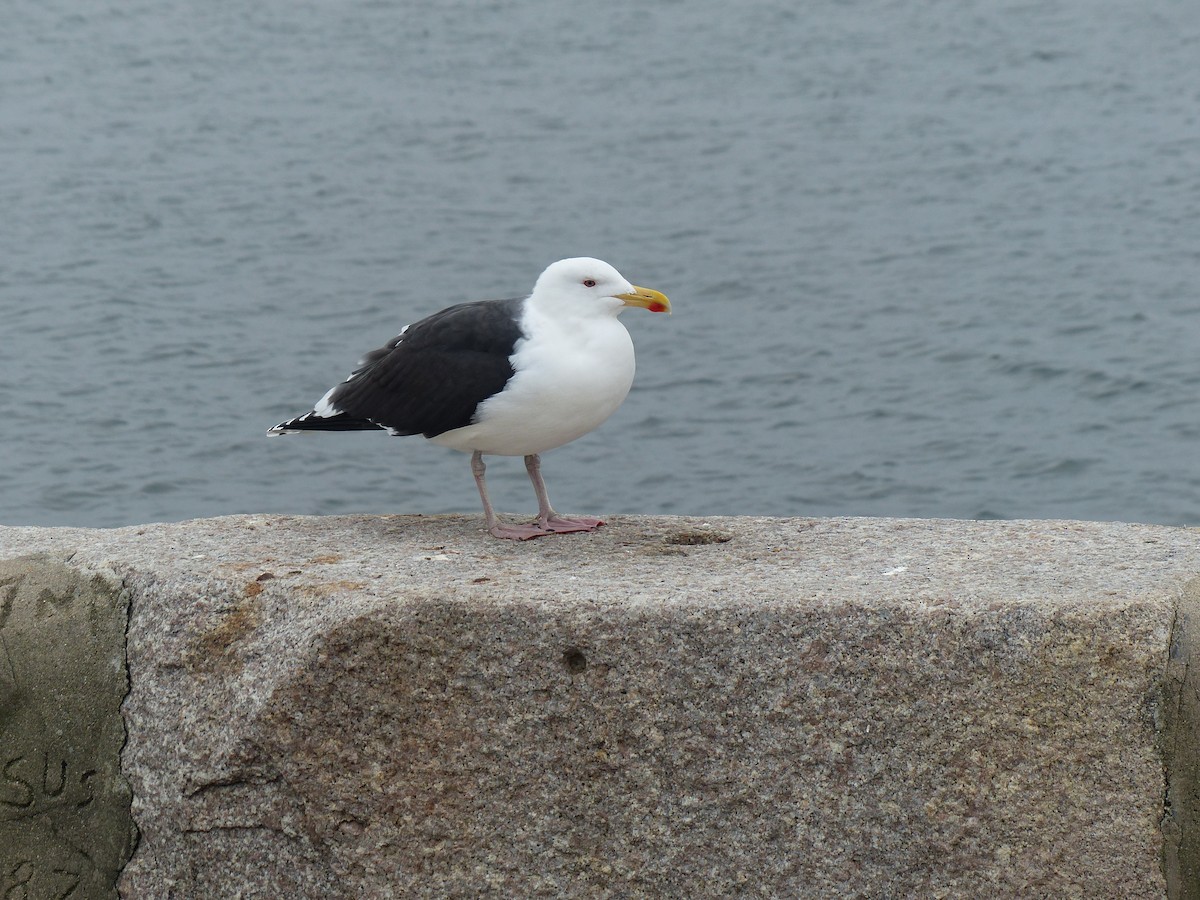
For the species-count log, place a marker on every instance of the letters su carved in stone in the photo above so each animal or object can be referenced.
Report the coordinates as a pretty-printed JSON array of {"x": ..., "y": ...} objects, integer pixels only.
[{"x": 34, "y": 784}]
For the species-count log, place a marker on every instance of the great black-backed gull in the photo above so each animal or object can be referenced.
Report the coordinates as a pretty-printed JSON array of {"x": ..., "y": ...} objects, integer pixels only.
[{"x": 502, "y": 377}]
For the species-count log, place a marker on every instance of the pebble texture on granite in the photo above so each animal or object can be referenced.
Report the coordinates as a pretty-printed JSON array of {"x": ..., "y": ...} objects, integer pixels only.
[{"x": 403, "y": 706}]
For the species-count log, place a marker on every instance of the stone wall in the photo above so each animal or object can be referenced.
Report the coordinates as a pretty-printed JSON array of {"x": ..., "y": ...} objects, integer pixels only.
[{"x": 403, "y": 706}]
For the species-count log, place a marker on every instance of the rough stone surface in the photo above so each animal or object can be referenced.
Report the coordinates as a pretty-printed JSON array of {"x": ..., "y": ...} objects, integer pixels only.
[
  {"x": 65, "y": 826},
  {"x": 402, "y": 706}
]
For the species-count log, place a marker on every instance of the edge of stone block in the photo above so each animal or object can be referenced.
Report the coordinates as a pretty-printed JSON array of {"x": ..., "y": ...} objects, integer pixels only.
[
  {"x": 1179, "y": 738},
  {"x": 66, "y": 814}
]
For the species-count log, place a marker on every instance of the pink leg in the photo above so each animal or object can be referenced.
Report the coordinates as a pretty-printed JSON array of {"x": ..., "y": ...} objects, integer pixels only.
[
  {"x": 547, "y": 518},
  {"x": 494, "y": 526}
]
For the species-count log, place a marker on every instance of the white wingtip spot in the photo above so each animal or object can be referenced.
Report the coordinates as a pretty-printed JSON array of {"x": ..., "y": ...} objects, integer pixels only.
[{"x": 324, "y": 408}]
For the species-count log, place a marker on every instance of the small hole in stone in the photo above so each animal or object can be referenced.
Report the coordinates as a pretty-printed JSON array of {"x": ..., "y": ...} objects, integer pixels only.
[{"x": 574, "y": 660}]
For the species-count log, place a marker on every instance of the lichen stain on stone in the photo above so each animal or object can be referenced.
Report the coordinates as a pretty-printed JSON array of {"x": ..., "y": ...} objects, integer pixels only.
[
  {"x": 249, "y": 564},
  {"x": 216, "y": 648}
]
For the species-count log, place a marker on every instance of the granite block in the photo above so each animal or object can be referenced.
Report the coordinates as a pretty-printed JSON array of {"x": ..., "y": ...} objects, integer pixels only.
[{"x": 403, "y": 706}]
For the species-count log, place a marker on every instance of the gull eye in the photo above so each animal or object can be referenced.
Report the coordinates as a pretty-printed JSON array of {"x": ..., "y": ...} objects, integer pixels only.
[{"x": 589, "y": 282}]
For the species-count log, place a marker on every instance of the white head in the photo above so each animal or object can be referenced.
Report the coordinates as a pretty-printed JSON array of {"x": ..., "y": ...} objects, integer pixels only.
[{"x": 591, "y": 286}]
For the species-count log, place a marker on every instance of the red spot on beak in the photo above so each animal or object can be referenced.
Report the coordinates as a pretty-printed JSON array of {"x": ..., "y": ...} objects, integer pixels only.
[{"x": 656, "y": 307}]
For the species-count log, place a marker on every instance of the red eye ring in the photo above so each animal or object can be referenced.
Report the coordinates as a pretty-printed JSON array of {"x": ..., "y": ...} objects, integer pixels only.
[{"x": 589, "y": 282}]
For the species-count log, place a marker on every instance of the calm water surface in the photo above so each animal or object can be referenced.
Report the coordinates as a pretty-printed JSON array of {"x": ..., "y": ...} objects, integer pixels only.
[{"x": 927, "y": 258}]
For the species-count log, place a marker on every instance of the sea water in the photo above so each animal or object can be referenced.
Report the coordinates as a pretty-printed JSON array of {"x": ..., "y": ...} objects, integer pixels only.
[{"x": 926, "y": 258}]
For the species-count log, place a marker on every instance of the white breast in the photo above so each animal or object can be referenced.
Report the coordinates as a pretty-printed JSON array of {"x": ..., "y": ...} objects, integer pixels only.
[{"x": 570, "y": 376}]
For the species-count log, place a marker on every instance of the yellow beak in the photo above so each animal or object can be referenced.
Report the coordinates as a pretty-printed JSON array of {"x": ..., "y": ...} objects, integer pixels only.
[{"x": 646, "y": 299}]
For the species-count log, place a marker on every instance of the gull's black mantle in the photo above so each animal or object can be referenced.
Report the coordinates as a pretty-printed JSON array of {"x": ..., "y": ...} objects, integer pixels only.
[{"x": 427, "y": 380}]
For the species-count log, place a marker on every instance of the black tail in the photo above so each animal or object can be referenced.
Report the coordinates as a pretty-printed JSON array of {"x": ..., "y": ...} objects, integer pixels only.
[{"x": 310, "y": 421}]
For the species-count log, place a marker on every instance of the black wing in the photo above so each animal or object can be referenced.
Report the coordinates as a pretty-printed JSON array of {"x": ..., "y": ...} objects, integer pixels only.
[{"x": 432, "y": 377}]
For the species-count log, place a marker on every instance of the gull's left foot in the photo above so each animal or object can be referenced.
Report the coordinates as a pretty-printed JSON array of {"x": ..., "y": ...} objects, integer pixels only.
[
  {"x": 565, "y": 524},
  {"x": 518, "y": 532}
]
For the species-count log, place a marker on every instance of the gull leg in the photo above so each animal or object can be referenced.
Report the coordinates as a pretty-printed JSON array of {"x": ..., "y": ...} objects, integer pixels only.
[
  {"x": 494, "y": 526},
  {"x": 547, "y": 517}
]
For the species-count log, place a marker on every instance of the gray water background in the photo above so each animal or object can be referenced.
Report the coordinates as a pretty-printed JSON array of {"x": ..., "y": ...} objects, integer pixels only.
[{"x": 927, "y": 258}]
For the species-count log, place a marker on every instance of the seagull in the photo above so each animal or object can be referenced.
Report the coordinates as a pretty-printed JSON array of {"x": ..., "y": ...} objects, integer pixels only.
[{"x": 501, "y": 378}]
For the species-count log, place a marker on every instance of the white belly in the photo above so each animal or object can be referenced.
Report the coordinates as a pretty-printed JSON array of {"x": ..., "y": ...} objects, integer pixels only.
[{"x": 567, "y": 382}]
